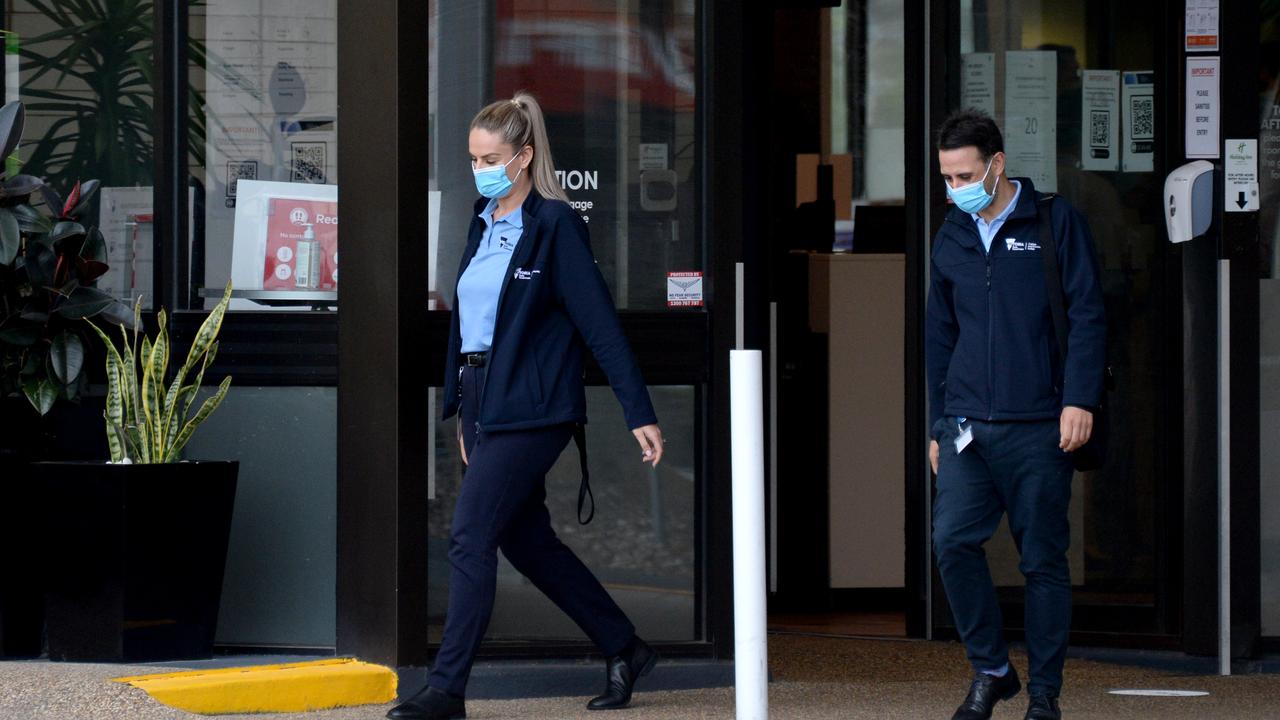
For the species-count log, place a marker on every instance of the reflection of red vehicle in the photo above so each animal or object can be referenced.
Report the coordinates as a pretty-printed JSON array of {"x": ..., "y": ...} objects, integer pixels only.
[{"x": 570, "y": 58}]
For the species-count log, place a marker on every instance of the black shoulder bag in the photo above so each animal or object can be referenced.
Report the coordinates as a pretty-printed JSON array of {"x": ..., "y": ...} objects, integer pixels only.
[{"x": 1093, "y": 453}]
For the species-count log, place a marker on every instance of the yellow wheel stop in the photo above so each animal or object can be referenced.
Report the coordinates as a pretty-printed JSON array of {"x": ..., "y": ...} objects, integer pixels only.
[{"x": 294, "y": 687}]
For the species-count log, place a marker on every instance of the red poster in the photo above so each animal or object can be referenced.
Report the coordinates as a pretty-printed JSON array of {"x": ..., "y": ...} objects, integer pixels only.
[{"x": 287, "y": 220}]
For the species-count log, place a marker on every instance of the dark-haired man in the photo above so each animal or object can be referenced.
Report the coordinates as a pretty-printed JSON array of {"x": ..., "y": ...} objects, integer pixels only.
[{"x": 1005, "y": 410}]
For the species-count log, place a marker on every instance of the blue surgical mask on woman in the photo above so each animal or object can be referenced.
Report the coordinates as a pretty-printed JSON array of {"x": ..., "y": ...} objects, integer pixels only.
[
  {"x": 973, "y": 198},
  {"x": 492, "y": 182}
]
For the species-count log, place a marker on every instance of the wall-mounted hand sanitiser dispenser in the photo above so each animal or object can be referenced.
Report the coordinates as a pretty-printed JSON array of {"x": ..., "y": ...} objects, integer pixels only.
[{"x": 1188, "y": 208}]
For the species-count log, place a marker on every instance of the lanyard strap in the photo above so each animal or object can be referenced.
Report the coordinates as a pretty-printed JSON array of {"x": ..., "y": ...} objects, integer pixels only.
[{"x": 584, "y": 488}]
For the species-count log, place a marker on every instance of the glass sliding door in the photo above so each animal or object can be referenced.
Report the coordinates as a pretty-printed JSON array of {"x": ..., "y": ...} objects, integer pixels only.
[
  {"x": 1078, "y": 92},
  {"x": 1269, "y": 308},
  {"x": 616, "y": 80}
]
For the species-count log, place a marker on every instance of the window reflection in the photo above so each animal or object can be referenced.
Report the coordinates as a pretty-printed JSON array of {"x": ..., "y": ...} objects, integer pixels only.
[
  {"x": 266, "y": 176},
  {"x": 617, "y": 85},
  {"x": 89, "y": 115}
]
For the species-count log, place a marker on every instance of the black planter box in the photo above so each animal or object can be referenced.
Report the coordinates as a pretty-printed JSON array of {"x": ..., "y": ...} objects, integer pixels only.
[
  {"x": 135, "y": 558},
  {"x": 21, "y": 566}
]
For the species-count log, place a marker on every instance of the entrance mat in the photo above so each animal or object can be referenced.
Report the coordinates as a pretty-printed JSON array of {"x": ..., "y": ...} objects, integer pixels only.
[{"x": 293, "y": 687}]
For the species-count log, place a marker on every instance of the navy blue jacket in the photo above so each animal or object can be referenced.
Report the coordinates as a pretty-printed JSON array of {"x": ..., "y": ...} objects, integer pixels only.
[
  {"x": 990, "y": 348},
  {"x": 553, "y": 305}
]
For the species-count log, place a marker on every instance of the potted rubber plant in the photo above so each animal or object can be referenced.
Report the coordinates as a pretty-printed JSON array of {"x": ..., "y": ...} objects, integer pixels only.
[
  {"x": 138, "y": 546},
  {"x": 50, "y": 260}
]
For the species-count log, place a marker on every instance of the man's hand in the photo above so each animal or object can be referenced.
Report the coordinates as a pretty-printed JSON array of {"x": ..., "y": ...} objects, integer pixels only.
[
  {"x": 1076, "y": 426},
  {"x": 933, "y": 455}
]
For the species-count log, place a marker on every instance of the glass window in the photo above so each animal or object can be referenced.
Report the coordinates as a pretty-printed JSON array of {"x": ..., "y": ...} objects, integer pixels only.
[
  {"x": 264, "y": 152},
  {"x": 863, "y": 131},
  {"x": 867, "y": 89},
  {"x": 279, "y": 587},
  {"x": 640, "y": 544},
  {"x": 1034, "y": 65},
  {"x": 83, "y": 73},
  {"x": 616, "y": 81},
  {"x": 1269, "y": 309}
]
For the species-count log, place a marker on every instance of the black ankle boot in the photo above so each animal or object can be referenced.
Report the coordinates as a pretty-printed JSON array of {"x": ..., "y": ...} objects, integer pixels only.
[
  {"x": 621, "y": 673},
  {"x": 430, "y": 704}
]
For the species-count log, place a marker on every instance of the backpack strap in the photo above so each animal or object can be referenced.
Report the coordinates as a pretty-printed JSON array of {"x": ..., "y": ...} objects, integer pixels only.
[{"x": 1052, "y": 274}]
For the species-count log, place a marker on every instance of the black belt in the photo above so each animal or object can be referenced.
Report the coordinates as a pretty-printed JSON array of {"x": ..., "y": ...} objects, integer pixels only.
[{"x": 478, "y": 359}]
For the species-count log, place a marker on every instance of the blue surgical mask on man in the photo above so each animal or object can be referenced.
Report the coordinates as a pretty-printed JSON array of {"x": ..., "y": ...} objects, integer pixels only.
[
  {"x": 973, "y": 198},
  {"x": 492, "y": 182}
]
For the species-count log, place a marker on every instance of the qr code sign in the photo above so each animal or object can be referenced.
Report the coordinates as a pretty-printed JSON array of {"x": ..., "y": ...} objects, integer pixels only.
[
  {"x": 237, "y": 171},
  {"x": 309, "y": 162},
  {"x": 1142, "y": 117},
  {"x": 1099, "y": 128}
]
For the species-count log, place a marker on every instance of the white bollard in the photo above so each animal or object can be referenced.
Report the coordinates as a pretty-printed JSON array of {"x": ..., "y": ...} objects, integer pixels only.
[{"x": 751, "y": 667}]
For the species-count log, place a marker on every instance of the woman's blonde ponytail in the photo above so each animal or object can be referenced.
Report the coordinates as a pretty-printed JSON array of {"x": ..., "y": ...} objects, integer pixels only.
[{"x": 519, "y": 122}]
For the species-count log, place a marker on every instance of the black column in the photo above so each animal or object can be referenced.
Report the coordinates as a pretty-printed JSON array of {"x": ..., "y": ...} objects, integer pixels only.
[
  {"x": 724, "y": 27},
  {"x": 1240, "y": 21},
  {"x": 924, "y": 67},
  {"x": 171, "y": 224},
  {"x": 382, "y": 388},
  {"x": 1238, "y": 242}
]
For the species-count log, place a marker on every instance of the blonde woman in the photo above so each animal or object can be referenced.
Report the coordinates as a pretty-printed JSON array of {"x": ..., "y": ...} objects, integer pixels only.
[{"x": 530, "y": 301}]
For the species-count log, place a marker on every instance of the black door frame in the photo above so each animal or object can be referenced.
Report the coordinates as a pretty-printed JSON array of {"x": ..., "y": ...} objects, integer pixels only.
[
  {"x": 1184, "y": 610},
  {"x": 925, "y": 210},
  {"x": 389, "y": 345},
  {"x": 1238, "y": 243}
]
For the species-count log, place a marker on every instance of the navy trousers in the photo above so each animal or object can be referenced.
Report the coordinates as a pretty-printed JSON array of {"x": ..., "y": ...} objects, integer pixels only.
[
  {"x": 502, "y": 504},
  {"x": 1015, "y": 468}
]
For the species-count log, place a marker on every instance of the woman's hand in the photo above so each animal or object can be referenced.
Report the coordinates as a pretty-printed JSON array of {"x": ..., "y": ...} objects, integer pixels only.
[{"x": 650, "y": 439}]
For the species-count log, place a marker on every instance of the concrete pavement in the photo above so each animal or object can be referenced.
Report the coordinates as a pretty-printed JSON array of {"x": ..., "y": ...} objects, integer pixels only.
[{"x": 815, "y": 679}]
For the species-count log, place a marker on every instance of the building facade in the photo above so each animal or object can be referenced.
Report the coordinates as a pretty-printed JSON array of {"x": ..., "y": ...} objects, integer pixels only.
[{"x": 694, "y": 136}]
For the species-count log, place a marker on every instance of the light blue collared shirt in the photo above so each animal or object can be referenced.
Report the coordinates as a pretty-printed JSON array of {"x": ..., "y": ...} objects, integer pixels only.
[
  {"x": 987, "y": 231},
  {"x": 481, "y": 283}
]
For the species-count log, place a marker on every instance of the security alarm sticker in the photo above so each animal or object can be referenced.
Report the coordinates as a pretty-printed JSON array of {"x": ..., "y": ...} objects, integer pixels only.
[{"x": 684, "y": 289}]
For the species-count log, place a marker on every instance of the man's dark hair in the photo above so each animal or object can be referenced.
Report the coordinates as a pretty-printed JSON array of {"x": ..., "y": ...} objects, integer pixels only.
[{"x": 970, "y": 127}]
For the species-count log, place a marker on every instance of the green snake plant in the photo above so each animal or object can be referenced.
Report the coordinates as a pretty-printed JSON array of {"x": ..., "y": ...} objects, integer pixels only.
[{"x": 148, "y": 417}]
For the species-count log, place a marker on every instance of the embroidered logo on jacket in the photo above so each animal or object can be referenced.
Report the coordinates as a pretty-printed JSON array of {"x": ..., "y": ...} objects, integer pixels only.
[
  {"x": 1016, "y": 245},
  {"x": 522, "y": 274}
]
